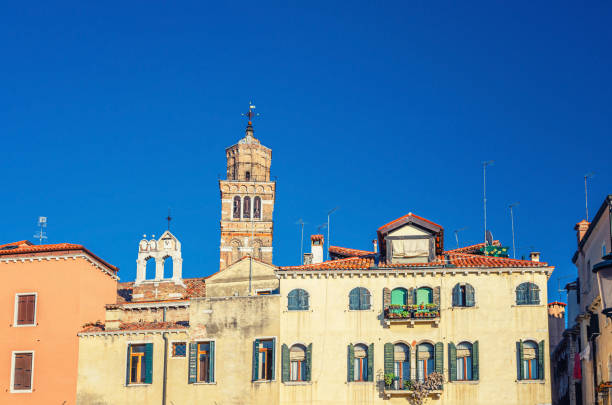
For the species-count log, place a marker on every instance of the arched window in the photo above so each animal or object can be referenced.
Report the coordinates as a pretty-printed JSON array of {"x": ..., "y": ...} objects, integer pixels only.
[
  {"x": 246, "y": 207},
  {"x": 463, "y": 295},
  {"x": 424, "y": 295},
  {"x": 399, "y": 296},
  {"x": 247, "y": 176},
  {"x": 401, "y": 362},
  {"x": 298, "y": 364},
  {"x": 257, "y": 249},
  {"x": 464, "y": 361},
  {"x": 168, "y": 267},
  {"x": 527, "y": 294},
  {"x": 359, "y": 299},
  {"x": 236, "y": 208},
  {"x": 150, "y": 269},
  {"x": 257, "y": 208},
  {"x": 360, "y": 363},
  {"x": 425, "y": 360},
  {"x": 235, "y": 244},
  {"x": 530, "y": 360},
  {"x": 297, "y": 300}
]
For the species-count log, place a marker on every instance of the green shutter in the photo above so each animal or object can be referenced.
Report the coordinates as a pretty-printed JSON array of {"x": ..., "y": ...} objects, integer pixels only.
[
  {"x": 255, "y": 359},
  {"x": 475, "y": 370},
  {"x": 193, "y": 363},
  {"x": 398, "y": 296},
  {"x": 284, "y": 363},
  {"x": 371, "y": 362},
  {"x": 273, "y": 376},
  {"x": 308, "y": 372},
  {"x": 456, "y": 295},
  {"x": 541, "y": 360},
  {"x": 211, "y": 363},
  {"x": 351, "y": 360},
  {"x": 438, "y": 360},
  {"x": 148, "y": 354},
  {"x": 452, "y": 360},
  {"x": 519, "y": 357},
  {"x": 389, "y": 356},
  {"x": 127, "y": 366},
  {"x": 470, "y": 299},
  {"x": 354, "y": 299}
]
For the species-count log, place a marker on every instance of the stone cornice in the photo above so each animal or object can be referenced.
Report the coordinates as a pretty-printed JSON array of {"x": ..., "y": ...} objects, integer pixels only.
[
  {"x": 85, "y": 256},
  {"x": 131, "y": 332},
  {"x": 394, "y": 272},
  {"x": 147, "y": 305}
]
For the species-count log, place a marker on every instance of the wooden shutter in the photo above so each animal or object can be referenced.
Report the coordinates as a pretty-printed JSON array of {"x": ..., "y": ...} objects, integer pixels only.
[
  {"x": 273, "y": 376},
  {"x": 436, "y": 296},
  {"x": 148, "y": 354},
  {"x": 303, "y": 300},
  {"x": 193, "y": 363},
  {"x": 475, "y": 370},
  {"x": 292, "y": 302},
  {"x": 411, "y": 298},
  {"x": 285, "y": 363},
  {"x": 389, "y": 355},
  {"x": 26, "y": 305},
  {"x": 521, "y": 295},
  {"x": 386, "y": 297},
  {"x": 519, "y": 359},
  {"x": 308, "y": 372},
  {"x": 364, "y": 298},
  {"x": 452, "y": 360},
  {"x": 255, "y": 359},
  {"x": 371, "y": 362},
  {"x": 211, "y": 363},
  {"x": 351, "y": 361},
  {"x": 456, "y": 295},
  {"x": 438, "y": 360},
  {"x": 541, "y": 360},
  {"x": 127, "y": 365},
  {"x": 354, "y": 299},
  {"x": 469, "y": 296},
  {"x": 22, "y": 377}
]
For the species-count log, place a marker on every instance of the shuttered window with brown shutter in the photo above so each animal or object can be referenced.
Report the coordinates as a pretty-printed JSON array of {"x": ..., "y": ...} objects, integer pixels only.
[
  {"x": 26, "y": 309},
  {"x": 22, "y": 374}
]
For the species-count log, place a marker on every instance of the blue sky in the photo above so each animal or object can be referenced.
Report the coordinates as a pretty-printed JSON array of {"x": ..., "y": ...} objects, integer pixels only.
[{"x": 112, "y": 112}]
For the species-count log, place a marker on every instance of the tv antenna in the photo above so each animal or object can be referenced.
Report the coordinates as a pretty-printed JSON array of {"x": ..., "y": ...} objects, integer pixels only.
[
  {"x": 586, "y": 199},
  {"x": 168, "y": 218},
  {"x": 457, "y": 234},
  {"x": 321, "y": 227},
  {"x": 301, "y": 223},
  {"x": 511, "y": 206},
  {"x": 328, "y": 227},
  {"x": 41, "y": 234},
  {"x": 484, "y": 194}
]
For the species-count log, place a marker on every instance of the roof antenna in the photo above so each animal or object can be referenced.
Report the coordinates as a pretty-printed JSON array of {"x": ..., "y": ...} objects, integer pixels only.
[
  {"x": 168, "y": 218},
  {"x": 484, "y": 194},
  {"x": 457, "y": 234},
  {"x": 301, "y": 222},
  {"x": 41, "y": 234},
  {"x": 328, "y": 227},
  {"x": 586, "y": 199},
  {"x": 512, "y": 220}
]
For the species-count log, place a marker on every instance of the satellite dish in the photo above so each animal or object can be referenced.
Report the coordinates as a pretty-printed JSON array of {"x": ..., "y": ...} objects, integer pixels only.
[{"x": 489, "y": 238}]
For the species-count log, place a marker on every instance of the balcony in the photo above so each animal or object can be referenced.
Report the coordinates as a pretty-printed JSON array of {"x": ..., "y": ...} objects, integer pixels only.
[
  {"x": 431, "y": 387},
  {"x": 412, "y": 314}
]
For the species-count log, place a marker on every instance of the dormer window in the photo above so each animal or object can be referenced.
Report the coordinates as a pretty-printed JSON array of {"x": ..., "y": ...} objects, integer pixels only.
[
  {"x": 410, "y": 239},
  {"x": 412, "y": 249}
]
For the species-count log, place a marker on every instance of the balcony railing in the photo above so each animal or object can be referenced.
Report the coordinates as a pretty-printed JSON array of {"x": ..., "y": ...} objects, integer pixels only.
[
  {"x": 431, "y": 386},
  {"x": 412, "y": 313}
]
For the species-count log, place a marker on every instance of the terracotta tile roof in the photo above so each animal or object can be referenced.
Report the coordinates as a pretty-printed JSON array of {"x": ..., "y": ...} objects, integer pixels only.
[
  {"x": 348, "y": 252},
  {"x": 557, "y": 303},
  {"x": 128, "y": 326},
  {"x": 25, "y": 247},
  {"x": 410, "y": 214},
  {"x": 316, "y": 237},
  {"x": 195, "y": 287},
  {"x": 455, "y": 260},
  {"x": 472, "y": 248}
]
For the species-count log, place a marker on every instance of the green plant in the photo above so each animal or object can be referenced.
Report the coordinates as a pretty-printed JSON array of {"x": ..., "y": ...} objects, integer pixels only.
[{"x": 389, "y": 377}]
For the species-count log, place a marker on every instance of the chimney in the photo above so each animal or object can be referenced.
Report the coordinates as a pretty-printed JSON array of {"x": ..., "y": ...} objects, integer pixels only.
[
  {"x": 534, "y": 256},
  {"x": 316, "y": 248},
  {"x": 307, "y": 258},
  {"x": 556, "y": 323},
  {"x": 581, "y": 228},
  {"x": 375, "y": 245}
]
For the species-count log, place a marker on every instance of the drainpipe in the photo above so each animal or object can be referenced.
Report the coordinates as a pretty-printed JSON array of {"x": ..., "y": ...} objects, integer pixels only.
[{"x": 164, "y": 382}]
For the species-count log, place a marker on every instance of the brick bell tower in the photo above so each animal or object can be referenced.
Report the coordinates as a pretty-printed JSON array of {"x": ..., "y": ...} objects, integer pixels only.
[{"x": 247, "y": 200}]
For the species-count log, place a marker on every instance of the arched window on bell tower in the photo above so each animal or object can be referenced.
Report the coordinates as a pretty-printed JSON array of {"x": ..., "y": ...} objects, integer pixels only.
[
  {"x": 247, "y": 176},
  {"x": 257, "y": 207},
  {"x": 246, "y": 207},
  {"x": 236, "y": 208}
]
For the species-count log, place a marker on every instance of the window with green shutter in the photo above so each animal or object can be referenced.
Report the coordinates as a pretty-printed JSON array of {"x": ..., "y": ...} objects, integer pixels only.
[
  {"x": 264, "y": 359},
  {"x": 527, "y": 294},
  {"x": 371, "y": 362},
  {"x": 475, "y": 370},
  {"x": 463, "y": 295},
  {"x": 452, "y": 361},
  {"x": 350, "y": 360},
  {"x": 296, "y": 362},
  {"x": 140, "y": 363},
  {"x": 309, "y": 362},
  {"x": 359, "y": 299},
  {"x": 297, "y": 300},
  {"x": 284, "y": 363},
  {"x": 389, "y": 358},
  {"x": 541, "y": 360},
  {"x": 439, "y": 357},
  {"x": 398, "y": 296}
]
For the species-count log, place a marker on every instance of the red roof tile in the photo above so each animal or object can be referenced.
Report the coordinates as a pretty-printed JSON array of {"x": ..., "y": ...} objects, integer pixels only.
[
  {"x": 129, "y": 326},
  {"x": 26, "y": 247},
  {"x": 410, "y": 214},
  {"x": 341, "y": 264},
  {"x": 348, "y": 252},
  {"x": 316, "y": 237},
  {"x": 472, "y": 248}
]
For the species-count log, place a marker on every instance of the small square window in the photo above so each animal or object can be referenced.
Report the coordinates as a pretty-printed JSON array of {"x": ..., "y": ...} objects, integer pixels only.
[{"x": 179, "y": 349}]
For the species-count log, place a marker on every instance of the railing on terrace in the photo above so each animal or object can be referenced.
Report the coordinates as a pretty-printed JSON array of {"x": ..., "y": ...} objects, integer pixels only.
[
  {"x": 431, "y": 386},
  {"x": 412, "y": 312}
]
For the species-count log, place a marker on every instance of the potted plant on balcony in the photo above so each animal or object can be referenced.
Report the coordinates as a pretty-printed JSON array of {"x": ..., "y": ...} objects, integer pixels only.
[{"x": 389, "y": 377}]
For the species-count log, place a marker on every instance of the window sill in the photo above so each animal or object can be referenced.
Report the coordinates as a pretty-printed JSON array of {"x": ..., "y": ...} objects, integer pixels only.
[
  {"x": 458, "y": 307},
  {"x": 24, "y": 326},
  {"x": 139, "y": 385},
  {"x": 466, "y": 382},
  {"x": 528, "y": 305},
  {"x": 204, "y": 383},
  {"x": 530, "y": 381},
  {"x": 298, "y": 310},
  {"x": 21, "y": 391},
  {"x": 359, "y": 310},
  {"x": 297, "y": 383},
  {"x": 178, "y": 357},
  {"x": 360, "y": 382},
  {"x": 262, "y": 381}
]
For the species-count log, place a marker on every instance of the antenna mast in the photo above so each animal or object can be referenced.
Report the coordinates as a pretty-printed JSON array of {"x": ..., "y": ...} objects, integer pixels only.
[
  {"x": 586, "y": 199},
  {"x": 484, "y": 195},
  {"x": 301, "y": 222},
  {"x": 512, "y": 220},
  {"x": 457, "y": 235},
  {"x": 41, "y": 234},
  {"x": 328, "y": 227}
]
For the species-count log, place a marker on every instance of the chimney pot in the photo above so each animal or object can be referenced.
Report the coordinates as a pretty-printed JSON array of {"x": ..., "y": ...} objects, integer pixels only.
[
  {"x": 316, "y": 248},
  {"x": 534, "y": 256},
  {"x": 581, "y": 228},
  {"x": 375, "y": 245}
]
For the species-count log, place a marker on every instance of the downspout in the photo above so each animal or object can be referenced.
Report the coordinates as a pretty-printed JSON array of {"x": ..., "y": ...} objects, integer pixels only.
[{"x": 164, "y": 381}]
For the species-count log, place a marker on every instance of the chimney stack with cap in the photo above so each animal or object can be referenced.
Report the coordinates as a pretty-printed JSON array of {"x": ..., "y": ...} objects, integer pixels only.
[
  {"x": 316, "y": 248},
  {"x": 534, "y": 256},
  {"x": 375, "y": 245},
  {"x": 581, "y": 228}
]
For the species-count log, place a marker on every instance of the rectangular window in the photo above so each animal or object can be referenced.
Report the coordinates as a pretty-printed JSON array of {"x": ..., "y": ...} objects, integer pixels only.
[
  {"x": 464, "y": 368},
  {"x": 265, "y": 357},
  {"x": 138, "y": 364},
  {"x": 179, "y": 349},
  {"x": 361, "y": 369},
  {"x": 297, "y": 370},
  {"x": 22, "y": 372},
  {"x": 25, "y": 309},
  {"x": 530, "y": 369},
  {"x": 204, "y": 362}
]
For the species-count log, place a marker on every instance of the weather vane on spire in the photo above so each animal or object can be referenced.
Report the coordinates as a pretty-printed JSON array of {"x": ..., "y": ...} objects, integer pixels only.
[{"x": 250, "y": 114}]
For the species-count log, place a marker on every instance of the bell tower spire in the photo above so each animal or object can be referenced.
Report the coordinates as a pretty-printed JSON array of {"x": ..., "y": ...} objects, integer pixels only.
[{"x": 247, "y": 200}]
